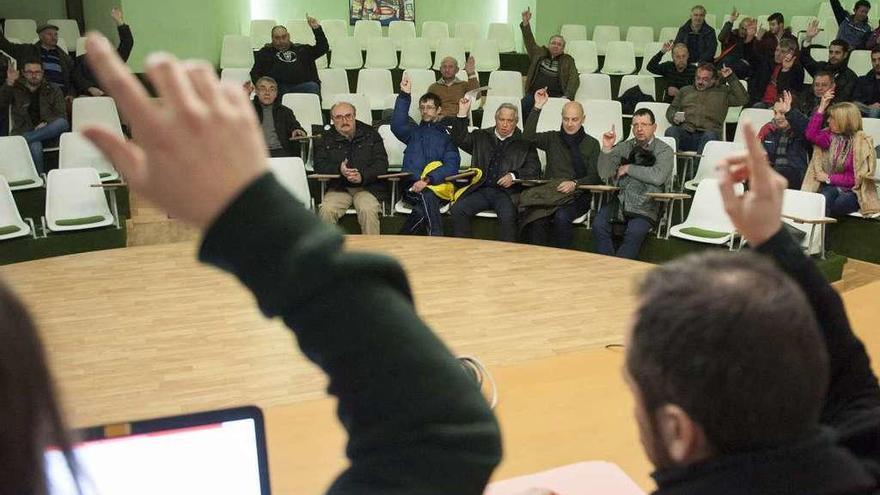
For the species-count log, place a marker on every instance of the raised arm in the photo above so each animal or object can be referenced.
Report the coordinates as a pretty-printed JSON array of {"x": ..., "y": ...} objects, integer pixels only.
[
  {"x": 460, "y": 135},
  {"x": 400, "y": 124},
  {"x": 840, "y": 13},
  {"x": 321, "y": 45},
  {"x": 525, "y": 27},
  {"x": 737, "y": 95},
  {"x": 530, "y": 132},
  {"x": 654, "y": 63}
]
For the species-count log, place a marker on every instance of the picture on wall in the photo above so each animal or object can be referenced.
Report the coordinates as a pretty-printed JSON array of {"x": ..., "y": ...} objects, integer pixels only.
[{"x": 383, "y": 11}]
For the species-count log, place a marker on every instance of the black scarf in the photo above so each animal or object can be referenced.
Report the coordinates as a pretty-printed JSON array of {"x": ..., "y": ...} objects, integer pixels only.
[{"x": 573, "y": 141}]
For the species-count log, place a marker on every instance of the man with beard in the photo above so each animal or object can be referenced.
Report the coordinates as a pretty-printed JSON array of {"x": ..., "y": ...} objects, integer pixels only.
[
  {"x": 292, "y": 65},
  {"x": 837, "y": 64}
]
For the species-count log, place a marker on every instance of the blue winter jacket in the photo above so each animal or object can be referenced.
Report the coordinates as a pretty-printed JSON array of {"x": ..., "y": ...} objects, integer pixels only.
[{"x": 425, "y": 143}]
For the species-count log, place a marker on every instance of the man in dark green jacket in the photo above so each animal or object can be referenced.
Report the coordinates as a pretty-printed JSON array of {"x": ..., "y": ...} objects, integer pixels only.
[
  {"x": 549, "y": 67},
  {"x": 571, "y": 162}
]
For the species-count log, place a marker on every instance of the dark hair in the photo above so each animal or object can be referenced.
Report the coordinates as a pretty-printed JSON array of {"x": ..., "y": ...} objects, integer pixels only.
[
  {"x": 778, "y": 17},
  {"x": 876, "y": 49},
  {"x": 31, "y": 61},
  {"x": 862, "y": 3},
  {"x": 642, "y": 112},
  {"x": 823, "y": 73},
  {"x": 841, "y": 43},
  {"x": 433, "y": 98},
  {"x": 731, "y": 340},
  {"x": 275, "y": 28},
  {"x": 30, "y": 419},
  {"x": 789, "y": 44},
  {"x": 708, "y": 66}
]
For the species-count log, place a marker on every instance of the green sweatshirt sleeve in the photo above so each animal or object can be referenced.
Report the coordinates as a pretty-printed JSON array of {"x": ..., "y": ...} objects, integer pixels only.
[{"x": 416, "y": 422}]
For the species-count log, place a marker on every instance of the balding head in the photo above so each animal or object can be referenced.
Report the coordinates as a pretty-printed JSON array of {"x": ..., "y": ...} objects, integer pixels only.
[
  {"x": 448, "y": 68},
  {"x": 343, "y": 115},
  {"x": 572, "y": 117}
]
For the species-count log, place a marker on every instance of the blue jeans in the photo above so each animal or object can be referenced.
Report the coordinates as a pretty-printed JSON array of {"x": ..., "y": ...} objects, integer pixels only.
[
  {"x": 560, "y": 223},
  {"x": 425, "y": 212},
  {"x": 306, "y": 87},
  {"x": 691, "y": 141},
  {"x": 839, "y": 201},
  {"x": 36, "y": 137},
  {"x": 482, "y": 199},
  {"x": 637, "y": 229}
]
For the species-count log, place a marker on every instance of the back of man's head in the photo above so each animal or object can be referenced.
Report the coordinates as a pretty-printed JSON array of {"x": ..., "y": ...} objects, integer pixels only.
[{"x": 733, "y": 342}]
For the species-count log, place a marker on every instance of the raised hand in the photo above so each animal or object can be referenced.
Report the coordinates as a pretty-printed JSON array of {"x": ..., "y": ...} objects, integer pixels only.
[
  {"x": 203, "y": 135},
  {"x": 116, "y": 14},
  {"x": 541, "y": 98},
  {"x": 812, "y": 29},
  {"x": 527, "y": 16},
  {"x": 609, "y": 138},
  {"x": 725, "y": 72},
  {"x": 11, "y": 74},
  {"x": 313, "y": 23},
  {"x": 667, "y": 46},
  {"x": 784, "y": 103},
  {"x": 470, "y": 66},
  {"x": 405, "y": 84},
  {"x": 464, "y": 107},
  {"x": 788, "y": 62},
  {"x": 734, "y": 15},
  {"x": 760, "y": 34},
  {"x": 826, "y": 100}
]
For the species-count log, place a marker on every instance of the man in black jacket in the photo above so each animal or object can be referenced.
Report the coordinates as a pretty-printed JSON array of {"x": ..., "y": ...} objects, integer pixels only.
[
  {"x": 809, "y": 99},
  {"x": 87, "y": 84},
  {"x": 676, "y": 74},
  {"x": 773, "y": 77},
  {"x": 837, "y": 64},
  {"x": 698, "y": 36},
  {"x": 292, "y": 65},
  {"x": 867, "y": 93},
  {"x": 356, "y": 153},
  {"x": 278, "y": 122},
  {"x": 502, "y": 156}
]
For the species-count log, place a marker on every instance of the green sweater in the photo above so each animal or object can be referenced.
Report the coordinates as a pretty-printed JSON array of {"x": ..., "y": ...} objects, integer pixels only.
[{"x": 416, "y": 421}]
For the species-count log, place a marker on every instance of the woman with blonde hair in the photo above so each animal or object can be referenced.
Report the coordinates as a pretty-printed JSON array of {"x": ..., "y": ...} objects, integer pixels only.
[
  {"x": 844, "y": 160},
  {"x": 733, "y": 43}
]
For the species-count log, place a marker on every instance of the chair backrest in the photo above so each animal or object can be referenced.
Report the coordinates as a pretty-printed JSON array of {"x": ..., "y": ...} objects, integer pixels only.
[
  {"x": 416, "y": 54},
  {"x": 22, "y": 29},
  {"x": 400, "y": 33},
  {"x": 420, "y": 80},
  {"x": 707, "y": 210},
  {"x": 505, "y": 83},
  {"x": 361, "y": 105},
  {"x": 585, "y": 56},
  {"x": 550, "y": 120},
  {"x": 502, "y": 33},
  {"x": 449, "y": 47},
  {"x": 737, "y": 22},
  {"x": 486, "y": 55},
  {"x": 713, "y": 153},
  {"x": 81, "y": 46},
  {"x": 364, "y": 30},
  {"x": 763, "y": 21},
  {"x": 261, "y": 32},
  {"x": 757, "y": 116},
  {"x": 640, "y": 36},
  {"x": 236, "y": 76},
  {"x": 95, "y": 110},
  {"x": 492, "y": 104},
  {"x": 68, "y": 31},
  {"x": 603, "y": 34},
  {"x": 819, "y": 54},
  {"x": 594, "y": 87},
  {"x": 306, "y": 108},
  {"x": 17, "y": 164},
  {"x": 346, "y": 54},
  {"x": 71, "y": 201},
  {"x": 647, "y": 84},
  {"x": 670, "y": 141},
  {"x": 601, "y": 115},
  {"x": 11, "y": 223},
  {"x": 799, "y": 23},
  {"x": 377, "y": 85},
  {"x": 825, "y": 10},
  {"x": 434, "y": 31},
  {"x": 651, "y": 49},
  {"x": 393, "y": 147},
  {"x": 466, "y": 157},
  {"x": 712, "y": 20},
  {"x": 872, "y": 128},
  {"x": 573, "y": 32},
  {"x": 380, "y": 54},
  {"x": 78, "y": 152},
  {"x": 300, "y": 32},
  {"x": 236, "y": 52},
  {"x": 860, "y": 61},
  {"x": 805, "y": 204},
  {"x": 659, "y": 111},
  {"x": 468, "y": 33},
  {"x": 334, "y": 29},
  {"x": 667, "y": 34},
  {"x": 333, "y": 82},
  {"x": 291, "y": 173},
  {"x": 620, "y": 58}
]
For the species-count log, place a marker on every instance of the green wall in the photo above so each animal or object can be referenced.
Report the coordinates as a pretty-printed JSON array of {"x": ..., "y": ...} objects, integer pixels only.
[
  {"x": 97, "y": 17},
  {"x": 38, "y": 10}
]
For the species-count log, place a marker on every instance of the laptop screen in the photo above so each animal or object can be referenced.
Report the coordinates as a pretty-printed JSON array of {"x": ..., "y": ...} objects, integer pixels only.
[{"x": 221, "y": 452}]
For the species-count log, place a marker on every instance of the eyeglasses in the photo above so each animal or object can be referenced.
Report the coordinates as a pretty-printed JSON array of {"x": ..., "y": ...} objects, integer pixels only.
[
  {"x": 341, "y": 117},
  {"x": 33, "y": 72}
]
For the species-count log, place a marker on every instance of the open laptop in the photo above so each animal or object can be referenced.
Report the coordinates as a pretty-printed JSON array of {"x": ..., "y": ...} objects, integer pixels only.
[{"x": 217, "y": 452}]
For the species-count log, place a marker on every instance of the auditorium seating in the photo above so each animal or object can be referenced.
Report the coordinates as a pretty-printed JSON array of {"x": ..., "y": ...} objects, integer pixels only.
[
  {"x": 17, "y": 165},
  {"x": 261, "y": 32},
  {"x": 95, "y": 110},
  {"x": 72, "y": 203},
  {"x": 12, "y": 225},
  {"x": 78, "y": 152},
  {"x": 714, "y": 152}
]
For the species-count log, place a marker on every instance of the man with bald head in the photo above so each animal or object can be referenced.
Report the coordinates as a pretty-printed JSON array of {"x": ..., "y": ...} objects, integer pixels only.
[
  {"x": 292, "y": 65},
  {"x": 549, "y": 67},
  {"x": 450, "y": 88},
  {"x": 355, "y": 152},
  {"x": 547, "y": 211}
]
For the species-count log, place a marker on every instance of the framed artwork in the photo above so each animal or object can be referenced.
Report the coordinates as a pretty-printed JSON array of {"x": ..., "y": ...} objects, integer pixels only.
[{"x": 383, "y": 11}]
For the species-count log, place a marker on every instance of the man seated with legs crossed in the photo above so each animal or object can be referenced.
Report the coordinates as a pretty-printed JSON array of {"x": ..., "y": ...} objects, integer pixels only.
[
  {"x": 501, "y": 156},
  {"x": 430, "y": 156},
  {"x": 356, "y": 152},
  {"x": 638, "y": 166}
]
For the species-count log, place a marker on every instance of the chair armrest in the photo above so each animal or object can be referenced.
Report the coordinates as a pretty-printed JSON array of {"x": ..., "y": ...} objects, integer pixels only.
[
  {"x": 530, "y": 182},
  {"x": 688, "y": 154},
  {"x": 667, "y": 196},
  {"x": 394, "y": 177},
  {"x": 110, "y": 185},
  {"x": 462, "y": 175},
  {"x": 598, "y": 188},
  {"x": 305, "y": 138},
  {"x": 323, "y": 177},
  {"x": 812, "y": 221}
]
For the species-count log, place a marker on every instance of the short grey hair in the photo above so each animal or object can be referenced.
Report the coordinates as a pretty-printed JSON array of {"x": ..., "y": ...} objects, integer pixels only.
[
  {"x": 561, "y": 38},
  {"x": 343, "y": 102},
  {"x": 508, "y": 106}
]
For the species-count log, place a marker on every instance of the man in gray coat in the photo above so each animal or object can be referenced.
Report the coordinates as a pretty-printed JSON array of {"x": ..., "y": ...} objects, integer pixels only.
[{"x": 638, "y": 166}]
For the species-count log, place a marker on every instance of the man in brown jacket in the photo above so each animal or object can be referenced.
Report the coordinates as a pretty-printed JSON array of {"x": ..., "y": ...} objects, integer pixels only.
[
  {"x": 549, "y": 67},
  {"x": 450, "y": 88}
]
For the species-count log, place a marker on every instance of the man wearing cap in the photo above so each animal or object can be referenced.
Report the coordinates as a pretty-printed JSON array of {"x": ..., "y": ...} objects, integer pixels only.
[{"x": 57, "y": 64}]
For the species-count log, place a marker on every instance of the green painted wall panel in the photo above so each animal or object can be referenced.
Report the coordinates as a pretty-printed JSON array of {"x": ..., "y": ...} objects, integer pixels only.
[{"x": 38, "y": 10}]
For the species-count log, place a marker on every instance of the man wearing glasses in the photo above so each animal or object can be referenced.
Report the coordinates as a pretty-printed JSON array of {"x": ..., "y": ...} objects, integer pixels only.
[
  {"x": 354, "y": 151},
  {"x": 38, "y": 108},
  {"x": 278, "y": 122}
]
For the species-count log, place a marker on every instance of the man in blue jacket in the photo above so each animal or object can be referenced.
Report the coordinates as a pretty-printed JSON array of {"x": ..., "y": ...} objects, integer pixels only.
[
  {"x": 785, "y": 142},
  {"x": 698, "y": 36},
  {"x": 430, "y": 157}
]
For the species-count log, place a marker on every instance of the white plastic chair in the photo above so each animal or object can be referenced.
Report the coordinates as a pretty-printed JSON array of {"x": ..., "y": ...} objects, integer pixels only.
[
  {"x": 468, "y": 33},
  {"x": 757, "y": 116},
  {"x": 17, "y": 164},
  {"x": 416, "y": 54},
  {"x": 68, "y": 31},
  {"x": 361, "y": 104},
  {"x": 95, "y": 110},
  {"x": 713, "y": 153},
  {"x": 712, "y": 20},
  {"x": 492, "y": 104},
  {"x": 81, "y": 46},
  {"x": 808, "y": 206},
  {"x": 594, "y": 87},
  {"x": 667, "y": 34},
  {"x": 646, "y": 84},
  {"x": 420, "y": 80},
  {"x": 261, "y": 32},
  {"x": 550, "y": 120},
  {"x": 486, "y": 55},
  {"x": 640, "y": 36},
  {"x": 825, "y": 10},
  {"x": 11, "y": 224},
  {"x": 602, "y": 35},
  {"x": 434, "y": 32},
  {"x": 573, "y": 32},
  {"x": 733, "y": 113},
  {"x": 300, "y": 31},
  {"x": 872, "y": 128},
  {"x": 505, "y": 83},
  {"x": 400, "y": 33},
  {"x": 860, "y": 61},
  {"x": 346, "y": 54},
  {"x": 585, "y": 56},
  {"x": 291, "y": 173},
  {"x": 376, "y": 84},
  {"x": 333, "y": 81},
  {"x": 364, "y": 30},
  {"x": 799, "y": 23},
  {"x": 306, "y": 108},
  {"x": 502, "y": 33},
  {"x": 601, "y": 115},
  {"x": 334, "y": 29},
  {"x": 380, "y": 54},
  {"x": 651, "y": 49},
  {"x": 449, "y": 47},
  {"x": 22, "y": 29},
  {"x": 72, "y": 203},
  {"x": 707, "y": 222},
  {"x": 235, "y": 53},
  {"x": 393, "y": 147},
  {"x": 78, "y": 152},
  {"x": 236, "y": 76},
  {"x": 620, "y": 58},
  {"x": 659, "y": 111}
]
